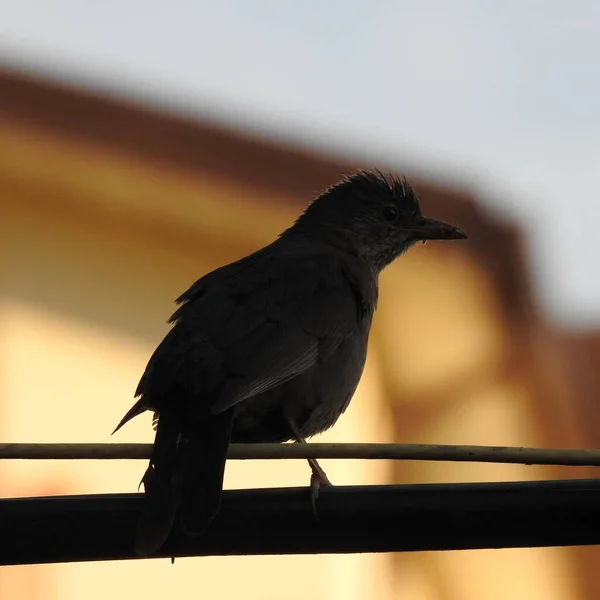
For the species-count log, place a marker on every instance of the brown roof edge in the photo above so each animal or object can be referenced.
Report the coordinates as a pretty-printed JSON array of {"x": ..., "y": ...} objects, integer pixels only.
[
  {"x": 192, "y": 144},
  {"x": 249, "y": 160},
  {"x": 189, "y": 143},
  {"x": 581, "y": 356}
]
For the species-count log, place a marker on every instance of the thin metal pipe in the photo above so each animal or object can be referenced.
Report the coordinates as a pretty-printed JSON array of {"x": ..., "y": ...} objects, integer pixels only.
[{"x": 490, "y": 454}]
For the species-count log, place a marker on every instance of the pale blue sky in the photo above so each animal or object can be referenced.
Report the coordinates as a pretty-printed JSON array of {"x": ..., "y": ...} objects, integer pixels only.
[{"x": 503, "y": 96}]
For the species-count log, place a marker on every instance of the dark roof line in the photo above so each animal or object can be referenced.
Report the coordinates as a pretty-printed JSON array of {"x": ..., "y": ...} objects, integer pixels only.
[{"x": 188, "y": 143}]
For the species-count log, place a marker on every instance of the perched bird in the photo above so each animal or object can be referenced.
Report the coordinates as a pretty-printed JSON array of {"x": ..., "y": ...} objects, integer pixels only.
[{"x": 270, "y": 348}]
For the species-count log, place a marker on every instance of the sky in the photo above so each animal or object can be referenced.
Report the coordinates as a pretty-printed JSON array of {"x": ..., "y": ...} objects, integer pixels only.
[{"x": 502, "y": 97}]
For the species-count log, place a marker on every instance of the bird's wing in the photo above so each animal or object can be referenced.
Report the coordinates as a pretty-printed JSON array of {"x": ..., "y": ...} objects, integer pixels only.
[
  {"x": 248, "y": 327},
  {"x": 283, "y": 325}
]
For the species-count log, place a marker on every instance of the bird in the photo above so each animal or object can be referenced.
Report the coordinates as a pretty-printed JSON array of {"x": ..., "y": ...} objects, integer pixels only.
[{"x": 270, "y": 348}]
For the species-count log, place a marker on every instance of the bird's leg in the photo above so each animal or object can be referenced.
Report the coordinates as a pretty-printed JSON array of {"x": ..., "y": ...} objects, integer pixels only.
[
  {"x": 318, "y": 478},
  {"x": 317, "y": 471}
]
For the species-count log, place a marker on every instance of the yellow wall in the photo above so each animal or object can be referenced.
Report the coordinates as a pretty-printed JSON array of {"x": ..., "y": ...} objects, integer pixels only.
[
  {"x": 95, "y": 246},
  {"x": 451, "y": 375},
  {"x": 87, "y": 281}
]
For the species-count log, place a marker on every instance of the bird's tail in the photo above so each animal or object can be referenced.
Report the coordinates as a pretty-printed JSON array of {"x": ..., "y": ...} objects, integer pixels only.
[
  {"x": 137, "y": 409},
  {"x": 185, "y": 477}
]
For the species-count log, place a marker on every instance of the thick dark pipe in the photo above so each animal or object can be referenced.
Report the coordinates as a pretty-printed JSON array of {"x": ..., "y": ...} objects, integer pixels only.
[{"x": 280, "y": 521}]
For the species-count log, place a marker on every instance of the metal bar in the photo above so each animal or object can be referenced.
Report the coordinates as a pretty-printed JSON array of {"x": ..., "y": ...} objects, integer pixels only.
[
  {"x": 491, "y": 454},
  {"x": 280, "y": 521}
]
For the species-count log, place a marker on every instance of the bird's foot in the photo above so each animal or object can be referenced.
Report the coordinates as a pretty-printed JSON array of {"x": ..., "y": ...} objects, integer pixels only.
[{"x": 318, "y": 479}]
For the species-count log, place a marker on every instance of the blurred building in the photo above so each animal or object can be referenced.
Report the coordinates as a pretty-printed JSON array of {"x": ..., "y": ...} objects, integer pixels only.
[{"x": 108, "y": 211}]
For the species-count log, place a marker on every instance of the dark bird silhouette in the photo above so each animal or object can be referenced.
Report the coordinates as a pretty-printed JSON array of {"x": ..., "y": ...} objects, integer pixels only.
[{"x": 270, "y": 348}]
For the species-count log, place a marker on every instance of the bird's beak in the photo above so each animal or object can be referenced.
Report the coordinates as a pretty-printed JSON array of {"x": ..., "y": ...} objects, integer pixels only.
[{"x": 430, "y": 229}]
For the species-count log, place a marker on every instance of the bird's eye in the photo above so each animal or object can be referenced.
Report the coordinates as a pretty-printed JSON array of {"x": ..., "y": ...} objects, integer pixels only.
[{"x": 389, "y": 213}]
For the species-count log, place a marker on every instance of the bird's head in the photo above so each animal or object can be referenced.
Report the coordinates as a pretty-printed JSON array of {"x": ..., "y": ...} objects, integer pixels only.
[{"x": 374, "y": 216}]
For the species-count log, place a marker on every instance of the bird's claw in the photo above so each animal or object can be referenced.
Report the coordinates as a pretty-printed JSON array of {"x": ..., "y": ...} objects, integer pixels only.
[{"x": 318, "y": 479}]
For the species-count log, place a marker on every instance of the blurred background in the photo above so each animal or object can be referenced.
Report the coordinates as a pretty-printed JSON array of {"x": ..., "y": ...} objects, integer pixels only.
[{"x": 143, "y": 144}]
